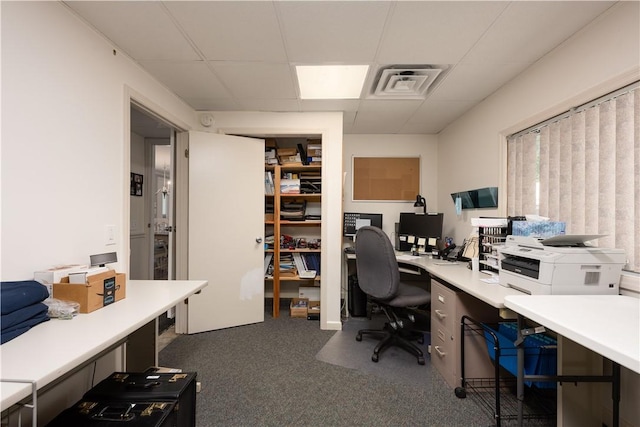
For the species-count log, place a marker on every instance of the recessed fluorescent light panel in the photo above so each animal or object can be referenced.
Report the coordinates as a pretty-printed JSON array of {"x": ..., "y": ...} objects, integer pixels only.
[{"x": 331, "y": 81}]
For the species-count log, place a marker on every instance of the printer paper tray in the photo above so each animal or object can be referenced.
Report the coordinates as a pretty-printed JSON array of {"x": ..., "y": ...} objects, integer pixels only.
[{"x": 520, "y": 268}]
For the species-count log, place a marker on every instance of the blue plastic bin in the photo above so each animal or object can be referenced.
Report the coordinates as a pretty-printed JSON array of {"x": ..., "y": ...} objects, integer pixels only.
[{"x": 540, "y": 352}]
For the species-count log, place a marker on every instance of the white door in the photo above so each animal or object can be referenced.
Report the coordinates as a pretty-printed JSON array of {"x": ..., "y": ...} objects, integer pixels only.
[{"x": 226, "y": 230}]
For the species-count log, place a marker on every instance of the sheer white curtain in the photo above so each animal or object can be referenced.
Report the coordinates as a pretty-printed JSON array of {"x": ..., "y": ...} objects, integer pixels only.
[{"x": 583, "y": 169}]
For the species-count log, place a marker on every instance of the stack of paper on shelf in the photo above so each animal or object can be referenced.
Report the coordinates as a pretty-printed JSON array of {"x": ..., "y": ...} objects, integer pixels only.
[
  {"x": 287, "y": 265},
  {"x": 293, "y": 210},
  {"x": 290, "y": 186},
  {"x": 289, "y": 156},
  {"x": 313, "y": 211},
  {"x": 314, "y": 152},
  {"x": 310, "y": 183}
]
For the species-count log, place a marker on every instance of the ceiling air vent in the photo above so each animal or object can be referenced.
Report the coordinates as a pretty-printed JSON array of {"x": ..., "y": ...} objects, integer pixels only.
[{"x": 404, "y": 82}]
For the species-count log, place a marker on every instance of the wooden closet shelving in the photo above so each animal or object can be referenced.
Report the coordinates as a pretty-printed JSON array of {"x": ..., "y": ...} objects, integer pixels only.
[{"x": 296, "y": 228}]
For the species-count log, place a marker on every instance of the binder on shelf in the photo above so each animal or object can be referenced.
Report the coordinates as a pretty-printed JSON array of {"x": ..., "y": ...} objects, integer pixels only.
[
  {"x": 269, "y": 188},
  {"x": 303, "y": 154},
  {"x": 301, "y": 265},
  {"x": 268, "y": 260},
  {"x": 312, "y": 260}
]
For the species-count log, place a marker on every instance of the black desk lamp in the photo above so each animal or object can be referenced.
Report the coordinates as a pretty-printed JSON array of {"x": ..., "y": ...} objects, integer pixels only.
[{"x": 420, "y": 203}]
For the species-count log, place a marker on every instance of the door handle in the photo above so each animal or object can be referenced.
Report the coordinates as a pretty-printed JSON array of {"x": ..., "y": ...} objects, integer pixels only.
[{"x": 258, "y": 239}]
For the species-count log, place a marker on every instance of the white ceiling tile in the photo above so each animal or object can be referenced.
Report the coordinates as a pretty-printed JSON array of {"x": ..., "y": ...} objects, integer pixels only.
[
  {"x": 330, "y": 105},
  {"x": 213, "y": 104},
  {"x": 523, "y": 21},
  {"x": 475, "y": 81},
  {"x": 280, "y": 105},
  {"x": 232, "y": 31},
  {"x": 342, "y": 32},
  {"x": 435, "y": 32},
  {"x": 188, "y": 79},
  {"x": 253, "y": 46},
  {"x": 257, "y": 80},
  {"x": 142, "y": 29},
  {"x": 430, "y": 116},
  {"x": 380, "y": 114}
]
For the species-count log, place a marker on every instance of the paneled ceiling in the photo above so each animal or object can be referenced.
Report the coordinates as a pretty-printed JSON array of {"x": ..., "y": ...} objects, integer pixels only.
[{"x": 240, "y": 55}]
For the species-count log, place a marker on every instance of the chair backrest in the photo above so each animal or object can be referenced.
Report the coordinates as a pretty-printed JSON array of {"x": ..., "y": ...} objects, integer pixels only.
[{"x": 378, "y": 273}]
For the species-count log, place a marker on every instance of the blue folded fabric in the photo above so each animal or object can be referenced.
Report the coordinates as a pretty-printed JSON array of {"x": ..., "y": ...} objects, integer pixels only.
[
  {"x": 22, "y": 315},
  {"x": 20, "y": 294},
  {"x": 19, "y": 329}
]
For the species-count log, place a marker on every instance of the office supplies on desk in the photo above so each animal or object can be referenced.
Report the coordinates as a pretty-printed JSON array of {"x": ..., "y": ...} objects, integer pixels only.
[{"x": 561, "y": 265}]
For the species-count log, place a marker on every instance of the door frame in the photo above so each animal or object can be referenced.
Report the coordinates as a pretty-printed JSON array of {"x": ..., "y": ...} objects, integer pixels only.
[
  {"x": 131, "y": 98},
  {"x": 328, "y": 125}
]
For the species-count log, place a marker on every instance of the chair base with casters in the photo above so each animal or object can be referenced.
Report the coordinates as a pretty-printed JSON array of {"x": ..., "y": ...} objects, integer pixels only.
[
  {"x": 379, "y": 279},
  {"x": 395, "y": 333}
]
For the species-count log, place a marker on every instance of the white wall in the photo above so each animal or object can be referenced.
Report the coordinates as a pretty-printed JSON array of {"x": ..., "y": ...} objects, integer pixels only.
[
  {"x": 425, "y": 146},
  {"x": 65, "y": 172},
  {"x": 602, "y": 57}
]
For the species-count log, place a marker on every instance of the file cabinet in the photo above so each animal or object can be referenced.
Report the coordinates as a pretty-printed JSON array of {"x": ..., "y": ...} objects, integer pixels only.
[{"x": 447, "y": 308}]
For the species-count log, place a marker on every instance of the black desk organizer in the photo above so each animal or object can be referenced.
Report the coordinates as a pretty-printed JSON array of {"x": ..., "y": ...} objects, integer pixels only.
[{"x": 497, "y": 395}]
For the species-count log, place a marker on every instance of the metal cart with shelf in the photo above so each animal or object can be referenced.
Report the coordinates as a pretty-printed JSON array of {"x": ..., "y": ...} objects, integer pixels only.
[{"x": 498, "y": 395}]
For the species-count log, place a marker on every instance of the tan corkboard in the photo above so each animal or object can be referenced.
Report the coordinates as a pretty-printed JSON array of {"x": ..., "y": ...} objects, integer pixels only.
[{"x": 386, "y": 178}]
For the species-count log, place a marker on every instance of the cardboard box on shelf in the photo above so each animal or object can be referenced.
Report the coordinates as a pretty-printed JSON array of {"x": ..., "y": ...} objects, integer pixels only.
[
  {"x": 101, "y": 290},
  {"x": 298, "y": 307},
  {"x": 287, "y": 151},
  {"x": 313, "y": 310}
]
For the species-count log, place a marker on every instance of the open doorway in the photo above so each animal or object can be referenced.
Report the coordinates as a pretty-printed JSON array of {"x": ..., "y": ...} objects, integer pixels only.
[{"x": 151, "y": 224}]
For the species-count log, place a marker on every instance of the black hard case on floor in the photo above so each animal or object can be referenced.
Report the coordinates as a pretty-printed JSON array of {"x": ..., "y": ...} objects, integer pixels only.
[
  {"x": 87, "y": 413},
  {"x": 151, "y": 386}
]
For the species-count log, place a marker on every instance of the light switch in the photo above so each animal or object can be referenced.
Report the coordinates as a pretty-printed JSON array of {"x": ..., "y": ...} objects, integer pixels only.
[{"x": 110, "y": 235}]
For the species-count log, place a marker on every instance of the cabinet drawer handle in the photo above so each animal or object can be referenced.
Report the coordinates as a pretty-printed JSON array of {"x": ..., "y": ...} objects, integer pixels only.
[
  {"x": 440, "y": 314},
  {"x": 440, "y": 352}
]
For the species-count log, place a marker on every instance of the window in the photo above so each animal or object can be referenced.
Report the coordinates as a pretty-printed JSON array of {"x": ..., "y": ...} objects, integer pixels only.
[{"x": 582, "y": 167}]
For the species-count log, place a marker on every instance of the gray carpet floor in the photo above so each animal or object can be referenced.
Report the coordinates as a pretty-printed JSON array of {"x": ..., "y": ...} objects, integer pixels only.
[{"x": 286, "y": 372}]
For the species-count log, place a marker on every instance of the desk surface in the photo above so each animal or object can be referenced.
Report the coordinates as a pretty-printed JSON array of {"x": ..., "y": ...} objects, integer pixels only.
[
  {"x": 606, "y": 324},
  {"x": 458, "y": 275},
  {"x": 54, "y": 348}
]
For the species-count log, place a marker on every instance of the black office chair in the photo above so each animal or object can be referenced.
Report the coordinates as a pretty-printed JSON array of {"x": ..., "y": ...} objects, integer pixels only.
[{"x": 379, "y": 278}]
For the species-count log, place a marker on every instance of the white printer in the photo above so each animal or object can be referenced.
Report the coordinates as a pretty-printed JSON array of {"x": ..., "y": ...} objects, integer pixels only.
[{"x": 560, "y": 265}]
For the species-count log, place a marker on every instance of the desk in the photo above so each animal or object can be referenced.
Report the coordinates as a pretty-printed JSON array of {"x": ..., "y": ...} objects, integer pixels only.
[
  {"x": 54, "y": 348},
  {"x": 458, "y": 275},
  {"x": 606, "y": 324},
  {"x": 457, "y": 291}
]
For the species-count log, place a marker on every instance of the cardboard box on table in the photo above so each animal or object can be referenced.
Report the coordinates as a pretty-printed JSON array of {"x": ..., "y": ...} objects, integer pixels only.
[
  {"x": 100, "y": 290},
  {"x": 55, "y": 274}
]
